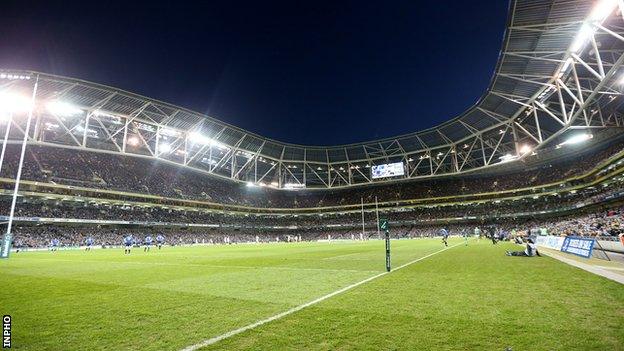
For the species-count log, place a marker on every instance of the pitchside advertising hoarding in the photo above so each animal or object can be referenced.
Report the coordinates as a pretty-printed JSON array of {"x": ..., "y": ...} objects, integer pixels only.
[
  {"x": 388, "y": 170},
  {"x": 578, "y": 246},
  {"x": 551, "y": 242},
  {"x": 572, "y": 244},
  {"x": 6, "y": 246}
]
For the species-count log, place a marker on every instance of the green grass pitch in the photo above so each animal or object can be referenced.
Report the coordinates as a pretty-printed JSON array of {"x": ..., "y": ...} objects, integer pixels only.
[{"x": 464, "y": 298}]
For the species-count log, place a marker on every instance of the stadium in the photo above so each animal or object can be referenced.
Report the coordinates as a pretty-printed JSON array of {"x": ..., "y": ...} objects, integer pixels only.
[{"x": 131, "y": 223}]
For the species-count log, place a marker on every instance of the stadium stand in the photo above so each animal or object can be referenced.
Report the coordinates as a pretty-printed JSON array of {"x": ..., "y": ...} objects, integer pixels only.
[
  {"x": 140, "y": 175},
  {"x": 586, "y": 201}
]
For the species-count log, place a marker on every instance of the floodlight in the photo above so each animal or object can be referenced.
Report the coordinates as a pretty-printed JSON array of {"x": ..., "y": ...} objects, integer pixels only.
[
  {"x": 198, "y": 138},
  {"x": 576, "y": 139},
  {"x": 100, "y": 113},
  {"x": 524, "y": 149},
  {"x": 169, "y": 132},
  {"x": 12, "y": 103},
  {"x": 51, "y": 126},
  {"x": 602, "y": 10},
  {"x": 582, "y": 37},
  {"x": 250, "y": 184},
  {"x": 61, "y": 108},
  {"x": 133, "y": 141},
  {"x": 13, "y": 76},
  {"x": 294, "y": 186},
  {"x": 507, "y": 157},
  {"x": 164, "y": 148}
]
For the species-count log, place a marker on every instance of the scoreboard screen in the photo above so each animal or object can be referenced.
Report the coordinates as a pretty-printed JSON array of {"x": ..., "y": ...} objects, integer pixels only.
[{"x": 388, "y": 170}]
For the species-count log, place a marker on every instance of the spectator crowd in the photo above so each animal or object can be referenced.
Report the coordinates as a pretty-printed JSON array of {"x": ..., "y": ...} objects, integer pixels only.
[
  {"x": 581, "y": 212},
  {"x": 601, "y": 223}
]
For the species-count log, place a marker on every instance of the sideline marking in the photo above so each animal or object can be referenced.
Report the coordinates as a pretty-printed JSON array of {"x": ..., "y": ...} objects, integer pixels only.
[{"x": 307, "y": 304}]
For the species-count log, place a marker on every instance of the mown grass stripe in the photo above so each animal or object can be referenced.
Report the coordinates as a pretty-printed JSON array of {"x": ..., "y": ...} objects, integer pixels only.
[{"x": 256, "y": 324}]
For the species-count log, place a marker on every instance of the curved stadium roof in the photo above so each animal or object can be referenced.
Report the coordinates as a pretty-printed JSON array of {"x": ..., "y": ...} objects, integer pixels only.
[{"x": 543, "y": 86}]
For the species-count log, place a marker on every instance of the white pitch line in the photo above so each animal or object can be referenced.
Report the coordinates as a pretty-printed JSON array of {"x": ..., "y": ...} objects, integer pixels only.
[{"x": 307, "y": 304}]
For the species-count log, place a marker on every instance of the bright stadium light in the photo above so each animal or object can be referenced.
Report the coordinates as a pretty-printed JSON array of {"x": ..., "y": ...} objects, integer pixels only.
[
  {"x": 169, "y": 132},
  {"x": 133, "y": 141},
  {"x": 61, "y": 108},
  {"x": 198, "y": 138},
  {"x": 600, "y": 13},
  {"x": 582, "y": 37},
  {"x": 525, "y": 149},
  {"x": 164, "y": 148},
  {"x": 577, "y": 139},
  {"x": 100, "y": 113},
  {"x": 602, "y": 10},
  {"x": 13, "y": 76},
  {"x": 13, "y": 103},
  {"x": 507, "y": 157}
]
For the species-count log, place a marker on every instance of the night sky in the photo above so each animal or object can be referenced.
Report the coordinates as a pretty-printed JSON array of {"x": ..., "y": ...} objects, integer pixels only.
[{"x": 314, "y": 72}]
